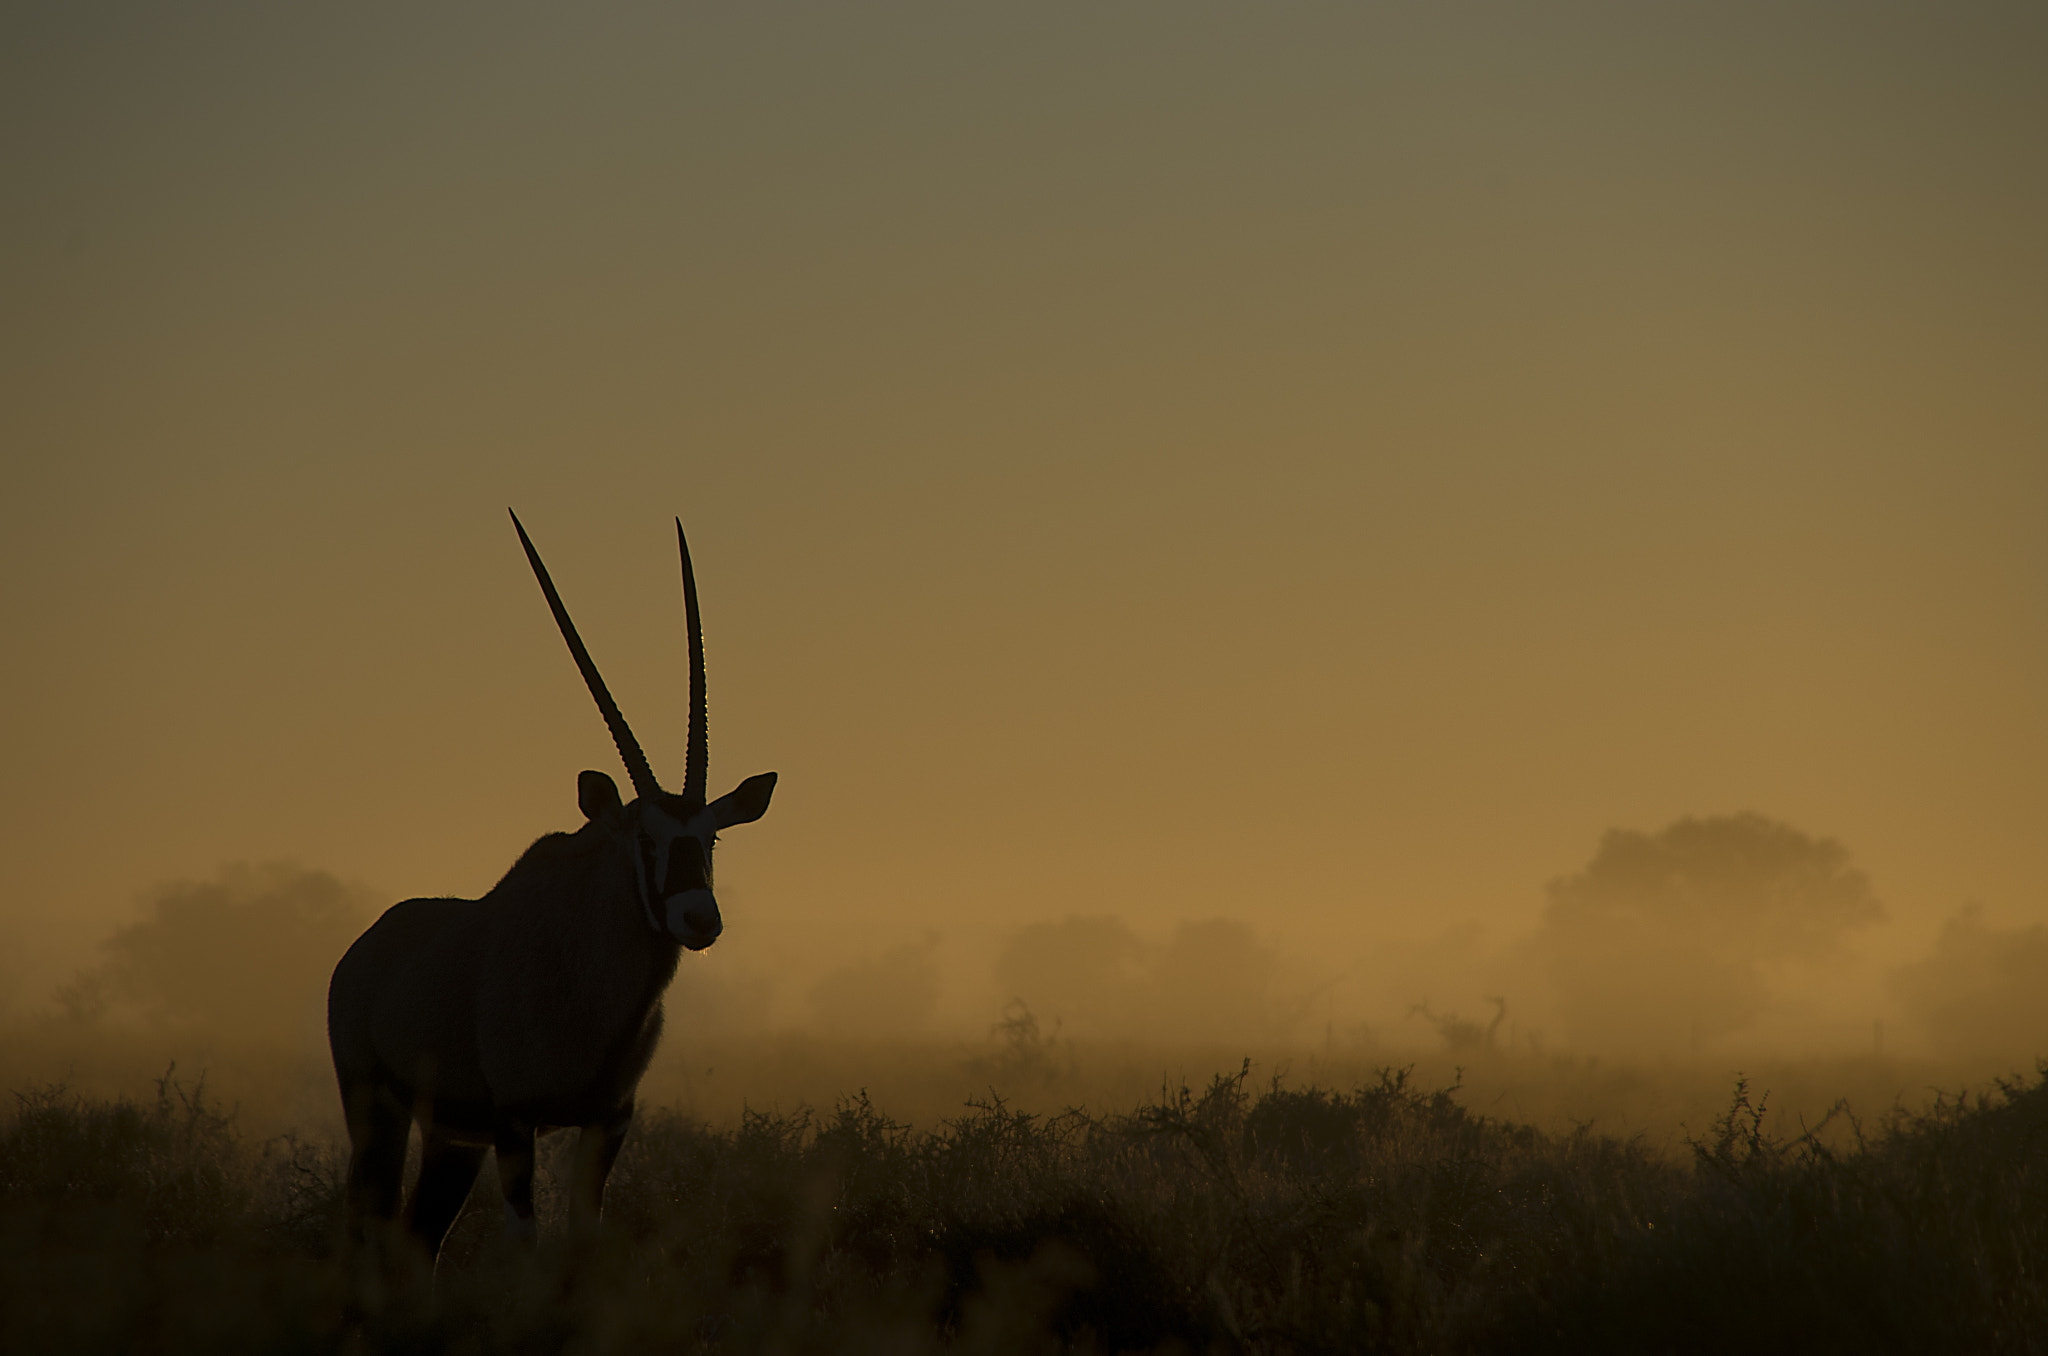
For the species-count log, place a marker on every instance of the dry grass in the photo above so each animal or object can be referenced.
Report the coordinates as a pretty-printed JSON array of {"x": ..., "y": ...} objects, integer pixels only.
[{"x": 1385, "y": 1217}]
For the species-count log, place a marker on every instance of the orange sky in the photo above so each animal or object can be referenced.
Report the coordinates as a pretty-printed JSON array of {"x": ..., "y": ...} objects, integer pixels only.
[{"x": 1318, "y": 466}]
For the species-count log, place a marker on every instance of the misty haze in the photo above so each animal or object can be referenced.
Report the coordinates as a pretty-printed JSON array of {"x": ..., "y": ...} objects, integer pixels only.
[
  {"x": 1711, "y": 945},
  {"x": 1402, "y": 650}
]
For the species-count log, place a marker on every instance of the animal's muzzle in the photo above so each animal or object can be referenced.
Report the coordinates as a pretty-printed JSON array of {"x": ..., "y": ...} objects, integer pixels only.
[{"x": 693, "y": 919}]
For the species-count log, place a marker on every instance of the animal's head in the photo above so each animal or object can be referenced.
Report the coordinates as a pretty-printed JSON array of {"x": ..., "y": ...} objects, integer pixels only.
[{"x": 671, "y": 833}]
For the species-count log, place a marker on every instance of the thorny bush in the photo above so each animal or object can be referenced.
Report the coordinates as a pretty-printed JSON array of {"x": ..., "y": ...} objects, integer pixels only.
[{"x": 1230, "y": 1218}]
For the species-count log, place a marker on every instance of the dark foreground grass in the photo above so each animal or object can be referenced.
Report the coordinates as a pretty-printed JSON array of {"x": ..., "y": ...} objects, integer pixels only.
[{"x": 1386, "y": 1218}]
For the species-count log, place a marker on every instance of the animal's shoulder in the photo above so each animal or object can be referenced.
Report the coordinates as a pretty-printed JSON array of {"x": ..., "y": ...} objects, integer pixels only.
[
  {"x": 401, "y": 936},
  {"x": 414, "y": 920},
  {"x": 564, "y": 847},
  {"x": 548, "y": 860}
]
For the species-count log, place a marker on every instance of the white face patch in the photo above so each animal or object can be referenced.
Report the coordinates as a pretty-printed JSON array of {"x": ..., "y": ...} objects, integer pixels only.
[{"x": 672, "y": 859}]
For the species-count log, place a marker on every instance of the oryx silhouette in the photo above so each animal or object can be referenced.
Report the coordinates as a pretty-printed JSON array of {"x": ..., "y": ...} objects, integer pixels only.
[{"x": 539, "y": 1005}]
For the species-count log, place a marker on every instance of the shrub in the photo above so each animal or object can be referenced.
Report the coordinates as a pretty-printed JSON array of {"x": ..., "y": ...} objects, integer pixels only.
[{"x": 1383, "y": 1218}]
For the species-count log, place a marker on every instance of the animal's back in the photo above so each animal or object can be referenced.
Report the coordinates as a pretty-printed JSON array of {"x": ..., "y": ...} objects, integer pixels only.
[{"x": 401, "y": 1007}]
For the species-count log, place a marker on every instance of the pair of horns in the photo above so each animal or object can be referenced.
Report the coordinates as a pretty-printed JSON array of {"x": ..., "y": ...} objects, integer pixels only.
[{"x": 697, "y": 762}]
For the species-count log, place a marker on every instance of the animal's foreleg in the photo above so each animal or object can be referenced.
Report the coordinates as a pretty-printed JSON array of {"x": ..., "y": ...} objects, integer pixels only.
[
  {"x": 515, "y": 1178},
  {"x": 597, "y": 1148},
  {"x": 447, "y": 1171}
]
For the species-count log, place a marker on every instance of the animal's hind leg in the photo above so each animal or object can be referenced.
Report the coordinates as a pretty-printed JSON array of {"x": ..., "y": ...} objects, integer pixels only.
[
  {"x": 377, "y": 1134},
  {"x": 515, "y": 1179},
  {"x": 597, "y": 1148},
  {"x": 447, "y": 1172}
]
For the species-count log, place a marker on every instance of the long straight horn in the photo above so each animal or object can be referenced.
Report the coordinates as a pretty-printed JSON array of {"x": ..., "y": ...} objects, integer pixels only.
[
  {"x": 622, "y": 734},
  {"x": 697, "y": 763}
]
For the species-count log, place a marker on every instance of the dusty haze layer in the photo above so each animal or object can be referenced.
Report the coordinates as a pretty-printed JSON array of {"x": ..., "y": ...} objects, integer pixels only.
[{"x": 1276, "y": 489}]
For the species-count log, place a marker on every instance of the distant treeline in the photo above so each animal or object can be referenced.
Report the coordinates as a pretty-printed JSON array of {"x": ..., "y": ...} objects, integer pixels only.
[
  {"x": 1387, "y": 1217},
  {"x": 1709, "y": 937}
]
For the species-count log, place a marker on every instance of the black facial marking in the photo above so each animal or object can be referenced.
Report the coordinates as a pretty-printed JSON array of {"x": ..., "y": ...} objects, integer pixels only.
[{"x": 685, "y": 866}]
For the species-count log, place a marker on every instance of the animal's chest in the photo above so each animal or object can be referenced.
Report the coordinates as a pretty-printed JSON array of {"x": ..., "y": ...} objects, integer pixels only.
[
  {"x": 421, "y": 1031},
  {"x": 553, "y": 1022}
]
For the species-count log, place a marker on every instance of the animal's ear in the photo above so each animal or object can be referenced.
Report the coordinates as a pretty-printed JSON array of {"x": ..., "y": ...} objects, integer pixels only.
[
  {"x": 745, "y": 803},
  {"x": 596, "y": 795}
]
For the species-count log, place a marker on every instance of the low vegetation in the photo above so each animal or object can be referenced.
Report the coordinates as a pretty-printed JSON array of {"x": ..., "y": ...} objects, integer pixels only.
[{"x": 1237, "y": 1217}]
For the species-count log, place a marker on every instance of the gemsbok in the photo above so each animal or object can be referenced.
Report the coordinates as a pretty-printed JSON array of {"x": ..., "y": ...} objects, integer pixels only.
[{"x": 539, "y": 1005}]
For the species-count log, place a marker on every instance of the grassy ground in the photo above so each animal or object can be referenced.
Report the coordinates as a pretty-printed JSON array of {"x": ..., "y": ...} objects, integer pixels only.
[
  {"x": 1240, "y": 1216},
  {"x": 282, "y": 1085}
]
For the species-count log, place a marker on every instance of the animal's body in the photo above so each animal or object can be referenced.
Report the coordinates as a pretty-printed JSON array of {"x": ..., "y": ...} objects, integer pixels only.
[{"x": 538, "y": 1005}]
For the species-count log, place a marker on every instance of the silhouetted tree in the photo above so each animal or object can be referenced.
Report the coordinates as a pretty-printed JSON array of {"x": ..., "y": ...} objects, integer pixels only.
[
  {"x": 1981, "y": 990},
  {"x": 1663, "y": 941},
  {"x": 1084, "y": 972},
  {"x": 246, "y": 954},
  {"x": 1213, "y": 981},
  {"x": 1210, "y": 980}
]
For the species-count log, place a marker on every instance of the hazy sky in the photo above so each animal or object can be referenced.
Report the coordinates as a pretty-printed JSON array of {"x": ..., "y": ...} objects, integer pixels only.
[{"x": 1321, "y": 465}]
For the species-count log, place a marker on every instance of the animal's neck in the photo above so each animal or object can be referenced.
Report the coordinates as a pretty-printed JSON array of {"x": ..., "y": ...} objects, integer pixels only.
[{"x": 594, "y": 949}]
